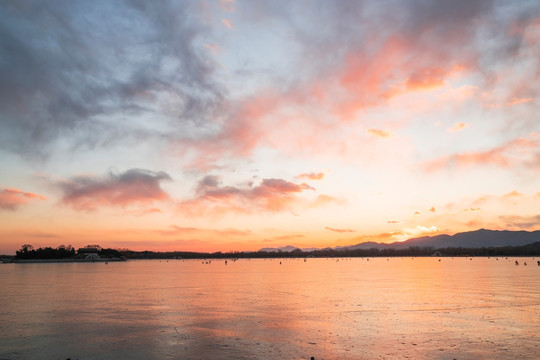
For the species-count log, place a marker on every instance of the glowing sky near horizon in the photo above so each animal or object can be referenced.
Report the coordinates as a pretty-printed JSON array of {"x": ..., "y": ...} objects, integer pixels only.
[{"x": 237, "y": 125}]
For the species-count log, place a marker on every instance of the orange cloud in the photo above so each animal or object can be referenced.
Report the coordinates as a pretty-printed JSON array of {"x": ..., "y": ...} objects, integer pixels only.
[
  {"x": 457, "y": 127},
  {"x": 512, "y": 194},
  {"x": 11, "y": 198},
  {"x": 379, "y": 133},
  {"x": 323, "y": 200},
  {"x": 124, "y": 189},
  {"x": 311, "y": 176},
  {"x": 516, "y": 101}
]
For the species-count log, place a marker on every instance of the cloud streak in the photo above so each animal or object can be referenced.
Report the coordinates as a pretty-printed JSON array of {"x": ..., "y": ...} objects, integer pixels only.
[
  {"x": 521, "y": 151},
  {"x": 12, "y": 199},
  {"x": 339, "y": 230},
  {"x": 379, "y": 133},
  {"x": 312, "y": 176},
  {"x": 176, "y": 230},
  {"x": 457, "y": 127}
]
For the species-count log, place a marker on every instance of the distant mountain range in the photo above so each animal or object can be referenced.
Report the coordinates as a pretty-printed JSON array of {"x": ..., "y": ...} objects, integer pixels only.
[
  {"x": 471, "y": 239},
  {"x": 287, "y": 248}
]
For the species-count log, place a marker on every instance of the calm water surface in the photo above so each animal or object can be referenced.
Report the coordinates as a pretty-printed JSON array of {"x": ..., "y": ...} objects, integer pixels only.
[{"x": 417, "y": 308}]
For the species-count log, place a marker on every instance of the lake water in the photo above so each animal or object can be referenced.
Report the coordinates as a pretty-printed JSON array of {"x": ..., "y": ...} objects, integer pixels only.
[{"x": 416, "y": 308}]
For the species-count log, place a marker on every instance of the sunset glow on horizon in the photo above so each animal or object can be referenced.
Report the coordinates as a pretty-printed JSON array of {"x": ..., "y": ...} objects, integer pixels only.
[{"x": 240, "y": 125}]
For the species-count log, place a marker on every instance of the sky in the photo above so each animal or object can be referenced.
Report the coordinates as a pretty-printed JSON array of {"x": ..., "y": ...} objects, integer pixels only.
[{"x": 238, "y": 125}]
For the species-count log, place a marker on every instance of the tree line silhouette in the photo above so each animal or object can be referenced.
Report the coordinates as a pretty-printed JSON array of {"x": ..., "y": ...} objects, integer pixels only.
[
  {"x": 27, "y": 252},
  {"x": 527, "y": 250}
]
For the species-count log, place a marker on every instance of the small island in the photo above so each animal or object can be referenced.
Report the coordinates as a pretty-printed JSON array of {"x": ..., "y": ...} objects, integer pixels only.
[{"x": 63, "y": 253}]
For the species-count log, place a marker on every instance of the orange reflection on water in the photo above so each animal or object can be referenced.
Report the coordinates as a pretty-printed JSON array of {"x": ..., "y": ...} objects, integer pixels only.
[{"x": 326, "y": 308}]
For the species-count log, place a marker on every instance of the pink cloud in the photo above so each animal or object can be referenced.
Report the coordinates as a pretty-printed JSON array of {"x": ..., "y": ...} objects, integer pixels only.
[
  {"x": 134, "y": 186},
  {"x": 368, "y": 73},
  {"x": 392, "y": 68},
  {"x": 518, "y": 151},
  {"x": 426, "y": 78},
  {"x": 271, "y": 195},
  {"x": 365, "y": 79},
  {"x": 11, "y": 198},
  {"x": 368, "y": 76},
  {"x": 227, "y": 23}
]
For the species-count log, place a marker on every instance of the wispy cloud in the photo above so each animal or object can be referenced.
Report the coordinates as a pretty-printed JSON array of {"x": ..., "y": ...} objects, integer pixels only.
[
  {"x": 227, "y": 5},
  {"x": 516, "y": 101},
  {"x": 176, "y": 230},
  {"x": 520, "y": 222},
  {"x": 324, "y": 200},
  {"x": 311, "y": 176},
  {"x": 213, "y": 48},
  {"x": 379, "y": 133},
  {"x": 519, "y": 151},
  {"x": 227, "y": 23},
  {"x": 339, "y": 230},
  {"x": 457, "y": 127},
  {"x": 135, "y": 186},
  {"x": 11, "y": 198}
]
